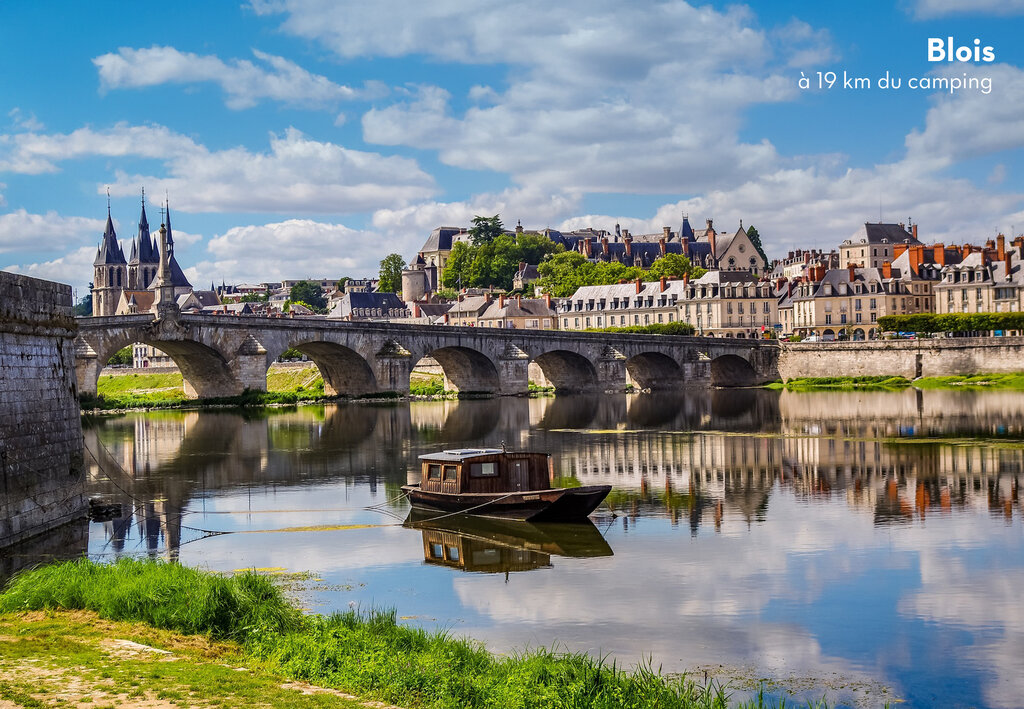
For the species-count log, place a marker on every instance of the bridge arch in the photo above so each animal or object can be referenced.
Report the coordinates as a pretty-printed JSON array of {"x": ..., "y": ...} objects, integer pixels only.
[
  {"x": 467, "y": 370},
  {"x": 654, "y": 371},
  {"x": 205, "y": 371},
  {"x": 345, "y": 371},
  {"x": 731, "y": 370},
  {"x": 568, "y": 371}
]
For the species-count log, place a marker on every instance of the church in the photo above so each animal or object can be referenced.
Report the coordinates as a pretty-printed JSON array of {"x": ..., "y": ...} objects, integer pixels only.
[{"x": 129, "y": 286}]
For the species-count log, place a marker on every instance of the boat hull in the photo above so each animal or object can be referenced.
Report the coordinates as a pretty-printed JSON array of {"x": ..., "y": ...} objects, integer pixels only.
[{"x": 556, "y": 505}]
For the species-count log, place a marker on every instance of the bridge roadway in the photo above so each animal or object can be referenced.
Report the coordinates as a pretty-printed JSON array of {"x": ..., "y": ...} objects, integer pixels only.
[{"x": 223, "y": 355}]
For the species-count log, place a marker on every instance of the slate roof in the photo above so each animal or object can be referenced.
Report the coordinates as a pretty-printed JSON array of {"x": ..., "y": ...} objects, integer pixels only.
[
  {"x": 835, "y": 277},
  {"x": 109, "y": 252},
  {"x": 525, "y": 308},
  {"x": 873, "y": 233},
  {"x": 440, "y": 239}
]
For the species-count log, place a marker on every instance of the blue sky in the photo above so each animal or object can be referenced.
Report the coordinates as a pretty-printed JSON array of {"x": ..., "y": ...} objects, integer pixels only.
[{"x": 309, "y": 138}]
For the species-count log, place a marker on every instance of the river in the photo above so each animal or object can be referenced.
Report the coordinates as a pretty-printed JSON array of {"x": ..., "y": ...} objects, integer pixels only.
[{"x": 863, "y": 546}]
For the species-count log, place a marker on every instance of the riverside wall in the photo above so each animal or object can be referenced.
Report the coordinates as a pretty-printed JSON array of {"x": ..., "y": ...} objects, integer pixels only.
[
  {"x": 934, "y": 357},
  {"x": 41, "y": 464}
]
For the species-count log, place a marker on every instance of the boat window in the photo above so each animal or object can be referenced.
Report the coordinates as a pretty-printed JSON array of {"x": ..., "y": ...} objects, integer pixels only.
[
  {"x": 449, "y": 472},
  {"x": 434, "y": 472},
  {"x": 453, "y": 553},
  {"x": 483, "y": 470},
  {"x": 437, "y": 551}
]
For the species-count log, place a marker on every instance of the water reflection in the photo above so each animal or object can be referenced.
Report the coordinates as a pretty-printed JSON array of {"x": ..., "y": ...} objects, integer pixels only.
[
  {"x": 875, "y": 535},
  {"x": 488, "y": 545}
]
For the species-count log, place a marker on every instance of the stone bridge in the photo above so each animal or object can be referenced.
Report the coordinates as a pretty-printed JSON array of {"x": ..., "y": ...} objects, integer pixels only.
[{"x": 223, "y": 355}]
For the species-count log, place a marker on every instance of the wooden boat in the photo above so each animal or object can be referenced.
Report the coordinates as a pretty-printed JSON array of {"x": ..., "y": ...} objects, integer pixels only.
[{"x": 496, "y": 483}]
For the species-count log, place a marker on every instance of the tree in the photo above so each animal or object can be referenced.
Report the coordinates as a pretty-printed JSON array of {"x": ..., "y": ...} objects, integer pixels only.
[
  {"x": 755, "y": 239},
  {"x": 391, "y": 274},
  {"x": 485, "y": 229},
  {"x": 84, "y": 306},
  {"x": 494, "y": 263},
  {"x": 123, "y": 357},
  {"x": 254, "y": 298},
  {"x": 310, "y": 294},
  {"x": 671, "y": 266}
]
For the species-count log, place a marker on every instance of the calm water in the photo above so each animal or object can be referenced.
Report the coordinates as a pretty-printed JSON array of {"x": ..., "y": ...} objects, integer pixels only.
[{"x": 864, "y": 546}]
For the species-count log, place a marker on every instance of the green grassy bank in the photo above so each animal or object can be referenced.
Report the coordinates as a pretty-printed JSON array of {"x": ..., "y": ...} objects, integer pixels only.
[
  {"x": 1014, "y": 382},
  {"x": 247, "y": 619}
]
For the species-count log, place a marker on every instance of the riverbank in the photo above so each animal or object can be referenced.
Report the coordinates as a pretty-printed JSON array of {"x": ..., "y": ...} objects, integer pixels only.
[
  {"x": 93, "y": 633},
  {"x": 1004, "y": 382}
]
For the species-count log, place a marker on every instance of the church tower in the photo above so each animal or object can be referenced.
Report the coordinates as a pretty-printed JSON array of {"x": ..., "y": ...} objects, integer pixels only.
[
  {"x": 110, "y": 272},
  {"x": 145, "y": 258}
]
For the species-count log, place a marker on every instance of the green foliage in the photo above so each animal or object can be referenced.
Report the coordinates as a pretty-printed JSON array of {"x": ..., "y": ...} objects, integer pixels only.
[
  {"x": 447, "y": 293},
  {"x": 122, "y": 357},
  {"x": 428, "y": 387},
  {"x": 951, "y": 322},
  {"x": 975, "y": 381},
  {"x": 309, "y": 294},
  {"x": 83, "y": 308},
  {"x": 868, "y": 383},
  {"x": 162, "y": 594},
  {"x": 669, "y": 328},
  {"x": 391, "y": 267},
  {"x": 254, "y": 298},
  {"x": 564, "y": 273},
  {"x": 755, "y": 239},
  {"x": 485, "y": 229},
  {"x": 495, "y": 262}
]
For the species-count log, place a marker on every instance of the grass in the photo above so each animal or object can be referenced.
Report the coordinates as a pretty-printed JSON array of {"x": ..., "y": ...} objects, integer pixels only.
[
  {"x": 1013, "y": 382},
  {"x": 368, "y": 654},
  {"x": 877, "y": 383}
]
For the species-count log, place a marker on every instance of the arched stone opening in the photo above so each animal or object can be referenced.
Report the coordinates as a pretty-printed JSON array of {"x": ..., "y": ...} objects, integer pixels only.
[
  {"x": 345, "y": 371},
  {"x": 858, "y": 334},
  {"x": 568, "y": 371},
  {"x": 654, "y": 371},
  {"x": 732, "y": 371},
  {"x": 467, "y": 371}
]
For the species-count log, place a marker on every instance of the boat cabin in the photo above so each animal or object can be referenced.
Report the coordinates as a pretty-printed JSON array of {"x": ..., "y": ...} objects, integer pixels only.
[{"x": 484, "y": 470}]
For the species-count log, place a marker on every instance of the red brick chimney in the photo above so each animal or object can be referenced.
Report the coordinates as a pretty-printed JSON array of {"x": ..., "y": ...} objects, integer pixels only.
[
  {"x": 604, "y": 245},
  {"x": 1001, "y": 247},
  {"x": 711, "y": 237},
  {"x": 887, "y": 269},
  {"x": 666, "y": 233},
  {"x": 639, "y": 285},
  {"x": 661, "y": 243},
  {"x": 965, "y": 251},
  {"x": 686, "y": 279},
  {"x": 587, "y": 248},
  {"x": 939, "y": 255},
  {"x": 853, "y": 272},
  {"x": 501, "y": 300},
  {"x": 547, "y": 300},
  {"x": 416, "y": 310},
  {"x": 897, "y": 250},
  {"x": 663, "y": 284},
  {"x": 628, "y": 241},
  {"x": 446, "y": 319},
  {"x": 519, "y": 301},
  {"x": 487, "y": 297},
  {"x": 990, "y": 244},
  {"x": 913, "y": 230}
]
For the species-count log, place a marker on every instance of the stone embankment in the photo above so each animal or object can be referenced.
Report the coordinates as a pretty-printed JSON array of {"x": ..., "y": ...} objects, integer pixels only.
[
  {"x": 41, "y": 465},
  {"x": 932, "y": 357}
]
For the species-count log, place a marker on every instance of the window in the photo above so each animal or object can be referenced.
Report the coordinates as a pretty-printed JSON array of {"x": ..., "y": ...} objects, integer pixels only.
[
  {"x": 842, "y": 318},
  {"x": 565, "y": 323},
  {"x": 858, "y": 318},
  {"x": 670, "y": 317},
  {"x": 872, "y": 304},
  {"x": 828, "y": 318},
  {"x": 483, "y": 470},
  {"x": 433, "y": 472},
  {"x": 636, "y": 319},
  {"x": 588, "y": 322},
  {"x": 856, "y": 304},
  {"x": 659, "y": 317},
  {"x": 450, "y": 473},
  {"x": 599, "y": 321},
  {"x": 436, "y": 551},
  {"x": 577, "y": 324}
]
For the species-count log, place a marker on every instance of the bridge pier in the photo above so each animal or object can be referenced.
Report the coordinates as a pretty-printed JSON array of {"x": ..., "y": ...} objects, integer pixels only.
[
  {"x": 392, "y": 368},
  {"x": 611, "y": 370},
  {"x": 514, "y": 371}
]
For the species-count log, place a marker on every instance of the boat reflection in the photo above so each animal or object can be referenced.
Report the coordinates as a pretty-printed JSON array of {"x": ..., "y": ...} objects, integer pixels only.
[{"x": 486, "y": 545}]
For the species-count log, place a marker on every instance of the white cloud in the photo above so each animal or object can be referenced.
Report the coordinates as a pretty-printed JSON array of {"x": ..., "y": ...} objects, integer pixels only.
[
  {"x": 34, "y": 153},
  {"x": 244, "y": 82},
  {"x": 296, "y": 248},
  {"x": 930, "y": 9},
  {"x": 24, "y": 121},
  {"x": 74, "y": 268},
  {"x": 601, "y": 96},
  {"x": 22, "y": 231},
  {"x": 298, "y": 174}
]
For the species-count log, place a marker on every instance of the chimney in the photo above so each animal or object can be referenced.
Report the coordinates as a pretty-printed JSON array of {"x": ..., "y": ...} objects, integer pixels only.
[
  {"x": 446, "y": 320},
  {"x": 897, "y": 250},
  {"x": 661, "y": 243},
  {"x": 628, "y": 240},
  {"x": 519, "y": 227},
  {"x": 853, "y": 273},
  {"x": 639, "y": 285},
  {"x": 686, "y": 247},
  {"x": 522, "y": 265},
  {"x": 939, "y": 255},
  {"x": 460, "y": 296},
  {"x": 604, "y": 245},
  {"x": 965, "y": 250},
  {"x": 666, "y": 233},
  {"x": 416, "y": 310},
  {"x": 913, "y": 230},
  {"x": 1001, "y": 247},
  {"x": 686, "y": 280},
  {"x": 501, "y": 300},
  {"x": 625, "y": 234},
  {"x": 519, "y": 301},
  {"x": 487, "y": 297},
  {"x": 547, "y": 300},
  {"x": 662, "y": 284},
  {"x": 711, "y": 239},
  {"x": 887, "y": 269},
  {"x": 990, "y": 244},
  {"x": 916, "y": 258}
]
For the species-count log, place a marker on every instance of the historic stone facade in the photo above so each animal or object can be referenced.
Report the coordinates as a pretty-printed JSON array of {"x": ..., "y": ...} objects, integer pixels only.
[{"x": 40, "y": 428}]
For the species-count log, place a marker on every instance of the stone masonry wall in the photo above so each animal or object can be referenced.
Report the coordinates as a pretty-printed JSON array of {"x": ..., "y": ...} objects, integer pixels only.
[
  {"x": 909, "y": 358},
  {"x": 41, "y": 465}
]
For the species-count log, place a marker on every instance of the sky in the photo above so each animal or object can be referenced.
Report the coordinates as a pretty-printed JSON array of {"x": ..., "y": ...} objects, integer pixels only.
[{"x": 310, "y": 138}]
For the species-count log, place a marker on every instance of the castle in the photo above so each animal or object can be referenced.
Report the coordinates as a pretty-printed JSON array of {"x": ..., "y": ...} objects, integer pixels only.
[{"x": 129, "y": 286}]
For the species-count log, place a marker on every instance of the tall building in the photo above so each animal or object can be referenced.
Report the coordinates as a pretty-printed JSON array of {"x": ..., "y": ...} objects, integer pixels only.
[{"x": 118, "y": 282}]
